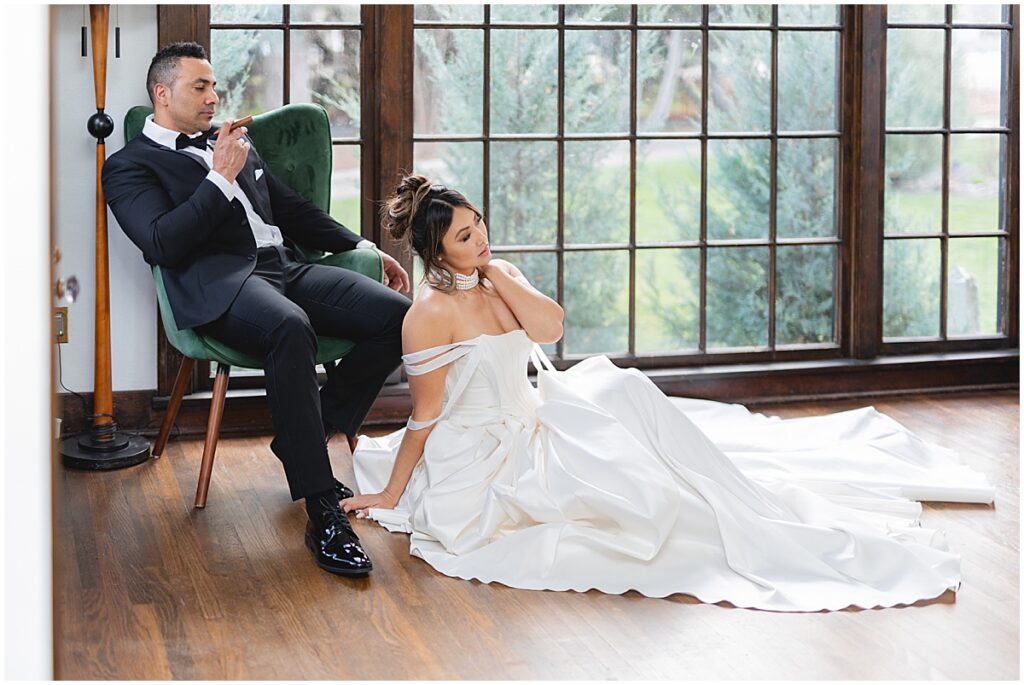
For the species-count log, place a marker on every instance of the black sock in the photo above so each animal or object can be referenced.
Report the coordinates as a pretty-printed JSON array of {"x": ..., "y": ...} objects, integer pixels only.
[{"x": 316, "y": 503}]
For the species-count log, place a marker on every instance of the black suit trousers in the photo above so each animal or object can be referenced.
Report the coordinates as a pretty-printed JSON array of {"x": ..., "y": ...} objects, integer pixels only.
[{"x": 281, "y": 308}]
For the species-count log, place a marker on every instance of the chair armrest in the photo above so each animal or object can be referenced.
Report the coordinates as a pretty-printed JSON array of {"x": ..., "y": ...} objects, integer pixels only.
[{"x": 366, "y": 262}]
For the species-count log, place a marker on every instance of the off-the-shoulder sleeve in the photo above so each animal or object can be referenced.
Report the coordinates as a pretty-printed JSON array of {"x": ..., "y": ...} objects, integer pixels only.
[{"x": 434, "y": 358}]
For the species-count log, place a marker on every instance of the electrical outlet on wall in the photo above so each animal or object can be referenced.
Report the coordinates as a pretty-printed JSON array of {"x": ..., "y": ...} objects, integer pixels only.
[{"x": 61, "y": 314}]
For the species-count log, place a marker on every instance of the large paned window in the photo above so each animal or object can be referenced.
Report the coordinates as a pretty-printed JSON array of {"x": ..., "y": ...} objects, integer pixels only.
[
  {"x": 946, "y": 202},
  {"x": 669, "y": 173},
  {"x": 730, "y": 196}
]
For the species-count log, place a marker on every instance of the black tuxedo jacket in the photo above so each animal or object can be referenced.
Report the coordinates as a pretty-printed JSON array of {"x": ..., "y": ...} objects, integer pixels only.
[{"x": 202, "y": 242}]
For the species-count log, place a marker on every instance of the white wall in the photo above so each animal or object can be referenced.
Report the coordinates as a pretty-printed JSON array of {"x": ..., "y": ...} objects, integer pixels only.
[
  {"x": 133, "y": 321},
  {"x": 25, "y": 403}
]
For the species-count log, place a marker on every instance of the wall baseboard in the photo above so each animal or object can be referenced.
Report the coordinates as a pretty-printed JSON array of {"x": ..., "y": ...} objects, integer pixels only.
[{"x": 132, "y": 411}]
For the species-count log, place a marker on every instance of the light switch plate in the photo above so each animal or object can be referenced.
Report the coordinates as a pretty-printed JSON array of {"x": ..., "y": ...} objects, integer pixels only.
[{"x": 61, "y": 314}]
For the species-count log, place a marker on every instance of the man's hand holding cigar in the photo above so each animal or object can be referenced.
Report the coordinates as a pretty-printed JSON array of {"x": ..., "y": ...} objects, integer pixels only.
[{"x": 230, "y": 150}]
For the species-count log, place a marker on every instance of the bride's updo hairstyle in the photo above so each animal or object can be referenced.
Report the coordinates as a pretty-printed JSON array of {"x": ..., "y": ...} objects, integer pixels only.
[{"x": 418, "y": 215}]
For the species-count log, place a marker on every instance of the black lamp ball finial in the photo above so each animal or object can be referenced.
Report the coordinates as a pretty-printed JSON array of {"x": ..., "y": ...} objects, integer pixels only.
[{"x": 100, "y": 125}]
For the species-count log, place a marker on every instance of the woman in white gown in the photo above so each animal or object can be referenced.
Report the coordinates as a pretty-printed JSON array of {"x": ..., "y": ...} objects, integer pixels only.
[{"x": 595, "y": 479}]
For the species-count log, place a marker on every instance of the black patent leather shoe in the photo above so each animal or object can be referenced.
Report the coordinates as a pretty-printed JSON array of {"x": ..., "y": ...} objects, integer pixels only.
[
  {"x": 342, "y": 491},
  {"x": 335, "y": 545}
]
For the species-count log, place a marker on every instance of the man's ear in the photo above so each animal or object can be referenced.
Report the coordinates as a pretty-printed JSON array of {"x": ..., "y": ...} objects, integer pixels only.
[{"x": 161, "y": 93}]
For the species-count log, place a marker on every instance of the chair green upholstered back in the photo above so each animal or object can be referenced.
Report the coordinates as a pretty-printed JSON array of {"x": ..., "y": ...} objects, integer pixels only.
[{"x": 295, "y": 142}]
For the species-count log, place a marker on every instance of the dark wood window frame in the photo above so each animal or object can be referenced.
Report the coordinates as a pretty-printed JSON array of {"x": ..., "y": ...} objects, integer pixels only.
[
  {"x": 1007, "y": 314},
  {"x": 632, "y": 247},
  {"x": 864, "y": 364}
]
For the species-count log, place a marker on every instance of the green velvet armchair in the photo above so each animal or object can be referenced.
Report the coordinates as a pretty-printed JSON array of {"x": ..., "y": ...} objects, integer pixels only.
[{"x": 295, "y": 141}]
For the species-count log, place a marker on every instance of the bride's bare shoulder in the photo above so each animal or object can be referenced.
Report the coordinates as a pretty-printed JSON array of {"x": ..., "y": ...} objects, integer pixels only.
[
  {"x": 429, "y": 322},
  {"x": 432, "y": 304}
]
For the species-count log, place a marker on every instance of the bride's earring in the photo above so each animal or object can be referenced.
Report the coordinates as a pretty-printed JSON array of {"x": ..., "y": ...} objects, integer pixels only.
[{"x": 442, "y": 272}]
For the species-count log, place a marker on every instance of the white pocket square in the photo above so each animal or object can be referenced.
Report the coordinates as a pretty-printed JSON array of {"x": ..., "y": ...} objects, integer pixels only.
[{"x": 259, "y": 172}]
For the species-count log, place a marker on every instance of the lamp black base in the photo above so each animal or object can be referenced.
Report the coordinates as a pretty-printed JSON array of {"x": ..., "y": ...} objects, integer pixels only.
[{"x": 83, "y": 452}]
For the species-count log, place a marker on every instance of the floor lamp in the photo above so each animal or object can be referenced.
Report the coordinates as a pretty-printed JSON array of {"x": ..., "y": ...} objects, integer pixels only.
[{"x": 102, "y": 447}]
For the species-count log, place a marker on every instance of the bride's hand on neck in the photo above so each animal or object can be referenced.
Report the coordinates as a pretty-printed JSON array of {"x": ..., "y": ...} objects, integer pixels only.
[
  {"x": 539, "y": 315},
  {"x": 491, "y": 267}
]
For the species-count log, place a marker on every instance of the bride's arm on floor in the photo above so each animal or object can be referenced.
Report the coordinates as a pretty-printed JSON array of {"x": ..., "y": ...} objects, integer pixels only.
[
  {"x": 427, "y": 324},
  {"x": 540, "y": 316}
]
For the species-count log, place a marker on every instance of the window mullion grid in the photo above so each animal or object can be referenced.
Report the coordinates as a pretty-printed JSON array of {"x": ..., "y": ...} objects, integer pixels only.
[
  {"x": 368, "y": 146},
  {"x": 683, "y": 135},
  {"x": 361, "y": 137},
  {"x": 772, "y": 171},
  {"x": 885, "y": 131},
  {"x": 946, "y": 98},
  {"x": 919, "y": 131},
  {"x": 287, "y": 49},
  {"x": 1004, "y": 281},
  {"x": 927, "y": 131},
  {"x": 560, "y": 236},
  {"x": 486, "y": 116},
  {"x": 838, "y": 261},
  {"x": 947, "y": 132},
  {"x": 632, "y": 179},
  {"x": 702, "y": 341},
  {"x": 939, "y": 234},
  {"x": 948, "y": 22}
]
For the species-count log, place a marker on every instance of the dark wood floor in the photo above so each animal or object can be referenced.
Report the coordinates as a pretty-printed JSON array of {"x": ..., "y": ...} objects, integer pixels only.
[{"x": 149, "y": 588}]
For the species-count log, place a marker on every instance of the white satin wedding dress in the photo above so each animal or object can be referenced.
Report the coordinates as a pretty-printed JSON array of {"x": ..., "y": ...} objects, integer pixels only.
[{"x": 595, "y": 479}]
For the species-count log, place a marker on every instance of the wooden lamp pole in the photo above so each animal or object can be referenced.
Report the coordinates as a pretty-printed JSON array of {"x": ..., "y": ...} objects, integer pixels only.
[{"x": 103, "y": 446}]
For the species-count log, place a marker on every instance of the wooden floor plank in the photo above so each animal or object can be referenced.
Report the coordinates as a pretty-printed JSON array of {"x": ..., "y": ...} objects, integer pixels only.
[{"x": 149, "y": 588}]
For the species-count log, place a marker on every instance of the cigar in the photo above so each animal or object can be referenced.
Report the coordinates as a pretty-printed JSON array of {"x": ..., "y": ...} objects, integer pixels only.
[{"x": 244, "y": 121}]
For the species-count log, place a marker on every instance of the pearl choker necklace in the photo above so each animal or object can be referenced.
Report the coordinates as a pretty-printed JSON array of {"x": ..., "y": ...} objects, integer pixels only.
[{"x": 464, "y": 282}]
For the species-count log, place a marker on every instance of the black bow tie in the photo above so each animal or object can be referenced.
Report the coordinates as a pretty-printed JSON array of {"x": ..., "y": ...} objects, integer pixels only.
[{"x": 183, "y": 141}]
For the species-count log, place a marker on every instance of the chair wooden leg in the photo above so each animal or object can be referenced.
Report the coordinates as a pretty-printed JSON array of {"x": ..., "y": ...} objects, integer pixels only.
[
  {"x": 180, "y": 383},
  {"x": 220, "y": 389}
]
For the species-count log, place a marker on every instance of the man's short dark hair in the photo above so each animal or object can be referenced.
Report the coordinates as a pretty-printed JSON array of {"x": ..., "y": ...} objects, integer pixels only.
[{"x": 165, "y": 63}]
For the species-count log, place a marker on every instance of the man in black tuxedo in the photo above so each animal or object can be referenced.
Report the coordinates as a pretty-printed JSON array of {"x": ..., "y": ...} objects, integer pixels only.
[{"x": 221, "y": 226}]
